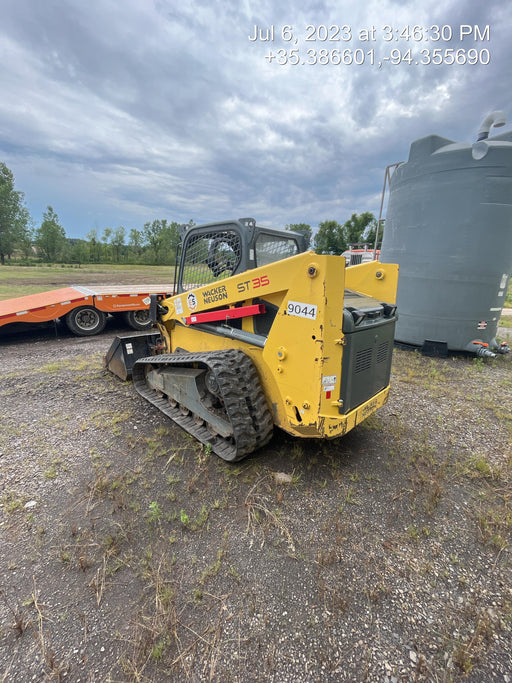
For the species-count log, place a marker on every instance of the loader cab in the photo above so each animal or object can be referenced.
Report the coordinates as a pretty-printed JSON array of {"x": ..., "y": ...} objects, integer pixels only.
[{"x": 215, "y": 251}]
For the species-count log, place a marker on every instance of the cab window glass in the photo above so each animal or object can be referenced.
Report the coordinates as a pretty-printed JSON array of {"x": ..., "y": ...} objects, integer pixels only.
[{"x": 270, "y": 248}]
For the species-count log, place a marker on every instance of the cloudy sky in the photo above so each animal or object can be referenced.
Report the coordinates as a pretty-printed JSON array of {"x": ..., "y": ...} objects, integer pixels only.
[{"x": 119, "y": 112}]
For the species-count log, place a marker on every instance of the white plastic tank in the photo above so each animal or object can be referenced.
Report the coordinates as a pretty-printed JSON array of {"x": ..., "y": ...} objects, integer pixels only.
[{"x": 449, "y": 227}]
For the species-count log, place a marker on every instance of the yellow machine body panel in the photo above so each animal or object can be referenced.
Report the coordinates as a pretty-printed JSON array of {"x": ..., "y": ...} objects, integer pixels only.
[{"x": 300, "y": 360}]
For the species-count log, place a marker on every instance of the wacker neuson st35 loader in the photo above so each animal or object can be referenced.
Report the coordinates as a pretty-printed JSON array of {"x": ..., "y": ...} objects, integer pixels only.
[{"x": 260, "y": 332}]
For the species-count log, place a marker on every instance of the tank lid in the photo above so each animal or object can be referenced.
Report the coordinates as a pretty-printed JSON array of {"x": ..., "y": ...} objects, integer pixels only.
[{"x": 426, "y": 146}]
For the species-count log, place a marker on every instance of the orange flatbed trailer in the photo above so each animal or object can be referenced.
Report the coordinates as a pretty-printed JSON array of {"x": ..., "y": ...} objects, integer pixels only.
[{"x": 84, "y": 309}]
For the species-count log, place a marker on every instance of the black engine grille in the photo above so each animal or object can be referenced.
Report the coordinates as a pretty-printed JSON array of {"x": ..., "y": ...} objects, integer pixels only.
[
  {"x": 363, "y": 360},
  {"x": 366, "y": 364}
]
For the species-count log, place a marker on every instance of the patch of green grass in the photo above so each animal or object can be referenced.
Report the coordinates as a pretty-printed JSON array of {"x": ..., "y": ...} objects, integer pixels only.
[
  {"x": 77, "y": 365},
  {"x": 411, "y": 367},
  {"x": 51, "y": 368},
  {"x": 12, "y": 501},
  {"x": 213, "y": 569},
  {"x": 16, "y": 280},
  {"x": 155, "y": 447},
  {"x": 155, "y": 512},
  {"x": 494, "y": 525},
  {"x": 413, "y": 532},
  {"x": 158, "y": 649},
  {"x": 52, "y": 471},
  {"x": 481, "y": 465},
  {"x": 185, "y": 519},
  {"x": 110, "y": 420},
  {"x": 478, "y": 364},
  {"x": 508, "y": 298}
]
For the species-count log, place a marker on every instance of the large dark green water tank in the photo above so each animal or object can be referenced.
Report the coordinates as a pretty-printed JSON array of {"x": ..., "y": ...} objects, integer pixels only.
[{"x": 449, "y": 227}]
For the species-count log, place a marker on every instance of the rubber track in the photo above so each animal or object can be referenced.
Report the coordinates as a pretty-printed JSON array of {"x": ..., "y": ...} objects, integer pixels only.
[{"x": 244, "y": 401}]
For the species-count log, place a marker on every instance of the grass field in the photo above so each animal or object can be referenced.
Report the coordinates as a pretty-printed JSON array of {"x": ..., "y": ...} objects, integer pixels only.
[{"x": 21, "y": 280}]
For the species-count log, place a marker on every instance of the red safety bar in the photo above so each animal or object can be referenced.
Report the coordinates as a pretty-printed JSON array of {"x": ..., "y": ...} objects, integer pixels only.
[{"x": 225, "y": 314}]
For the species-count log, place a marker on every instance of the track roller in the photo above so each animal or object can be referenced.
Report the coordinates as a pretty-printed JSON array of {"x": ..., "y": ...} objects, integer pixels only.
[{"x": 215, "y": 396}]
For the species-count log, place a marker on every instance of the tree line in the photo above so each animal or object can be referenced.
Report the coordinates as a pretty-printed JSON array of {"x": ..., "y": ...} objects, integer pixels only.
[
  {"x": 335, "y": 238},
  {"x": 156, "y": 243}
]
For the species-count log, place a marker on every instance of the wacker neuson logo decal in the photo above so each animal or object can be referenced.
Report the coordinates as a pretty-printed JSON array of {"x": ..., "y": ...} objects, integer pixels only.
[{"x": 210, "y": 296}]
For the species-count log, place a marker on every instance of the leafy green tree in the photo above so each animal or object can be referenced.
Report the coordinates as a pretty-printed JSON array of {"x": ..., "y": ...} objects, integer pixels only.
[
  {"x": 136, "y": 241},
  {"x": 163, "y": 239},
  {"x": 105, "y": 238},
  {"x": 117, "y": 242},
  {"x": 171, "y": 240},
  {"x": 330, "y": 238},
  {"x": 26, "y": 238},
  {"x": 371, "y": 232},
  {"x": 14, "y": 217},
  {"x": 358, "y": 228},
  {"x": 303, "y": 228},
  {"x": 80, "y": 252},
  {"x": 94, "y": 246},
  {"x": 333, "y": 238},
  {"x": 153, "y": 235},
  {"x": 50, "y": 236}
]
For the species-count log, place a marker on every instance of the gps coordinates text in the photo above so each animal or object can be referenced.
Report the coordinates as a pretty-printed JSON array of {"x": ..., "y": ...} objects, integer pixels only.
[{"x": 411, "y": 45}]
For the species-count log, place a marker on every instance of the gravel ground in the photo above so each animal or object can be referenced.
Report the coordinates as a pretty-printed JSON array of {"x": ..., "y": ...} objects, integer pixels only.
[{"x": 131, "y": 554}]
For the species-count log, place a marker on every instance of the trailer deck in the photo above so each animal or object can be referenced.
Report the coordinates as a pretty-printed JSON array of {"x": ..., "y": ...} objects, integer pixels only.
[{"x": 60, "y": 303}]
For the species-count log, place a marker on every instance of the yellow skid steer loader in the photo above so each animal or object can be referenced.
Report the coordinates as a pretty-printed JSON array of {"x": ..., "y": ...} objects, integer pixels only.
[{"x": 260, "y": 332}]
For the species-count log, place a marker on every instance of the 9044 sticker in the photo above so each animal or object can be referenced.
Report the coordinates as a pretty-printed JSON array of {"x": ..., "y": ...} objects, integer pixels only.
[{"x": 301, "y": 310}]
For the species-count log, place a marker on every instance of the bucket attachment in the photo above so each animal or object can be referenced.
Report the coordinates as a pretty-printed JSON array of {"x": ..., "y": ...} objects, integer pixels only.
[{"x": 126, "y": 349}]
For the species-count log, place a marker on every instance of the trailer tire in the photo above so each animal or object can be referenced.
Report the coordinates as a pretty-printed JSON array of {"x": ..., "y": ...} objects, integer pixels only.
[
  {"x": 86, "y": 321},
  {"x": 138, "y": 320}
]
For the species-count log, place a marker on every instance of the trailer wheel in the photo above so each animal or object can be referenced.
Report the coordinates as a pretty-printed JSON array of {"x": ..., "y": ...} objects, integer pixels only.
[
  {"x": 85, "y": 321},
  {"x": 138, "y": 320}
]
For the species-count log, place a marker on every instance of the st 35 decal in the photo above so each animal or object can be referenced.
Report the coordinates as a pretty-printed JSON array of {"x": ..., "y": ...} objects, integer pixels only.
[{"x": 255, "y": 283}]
